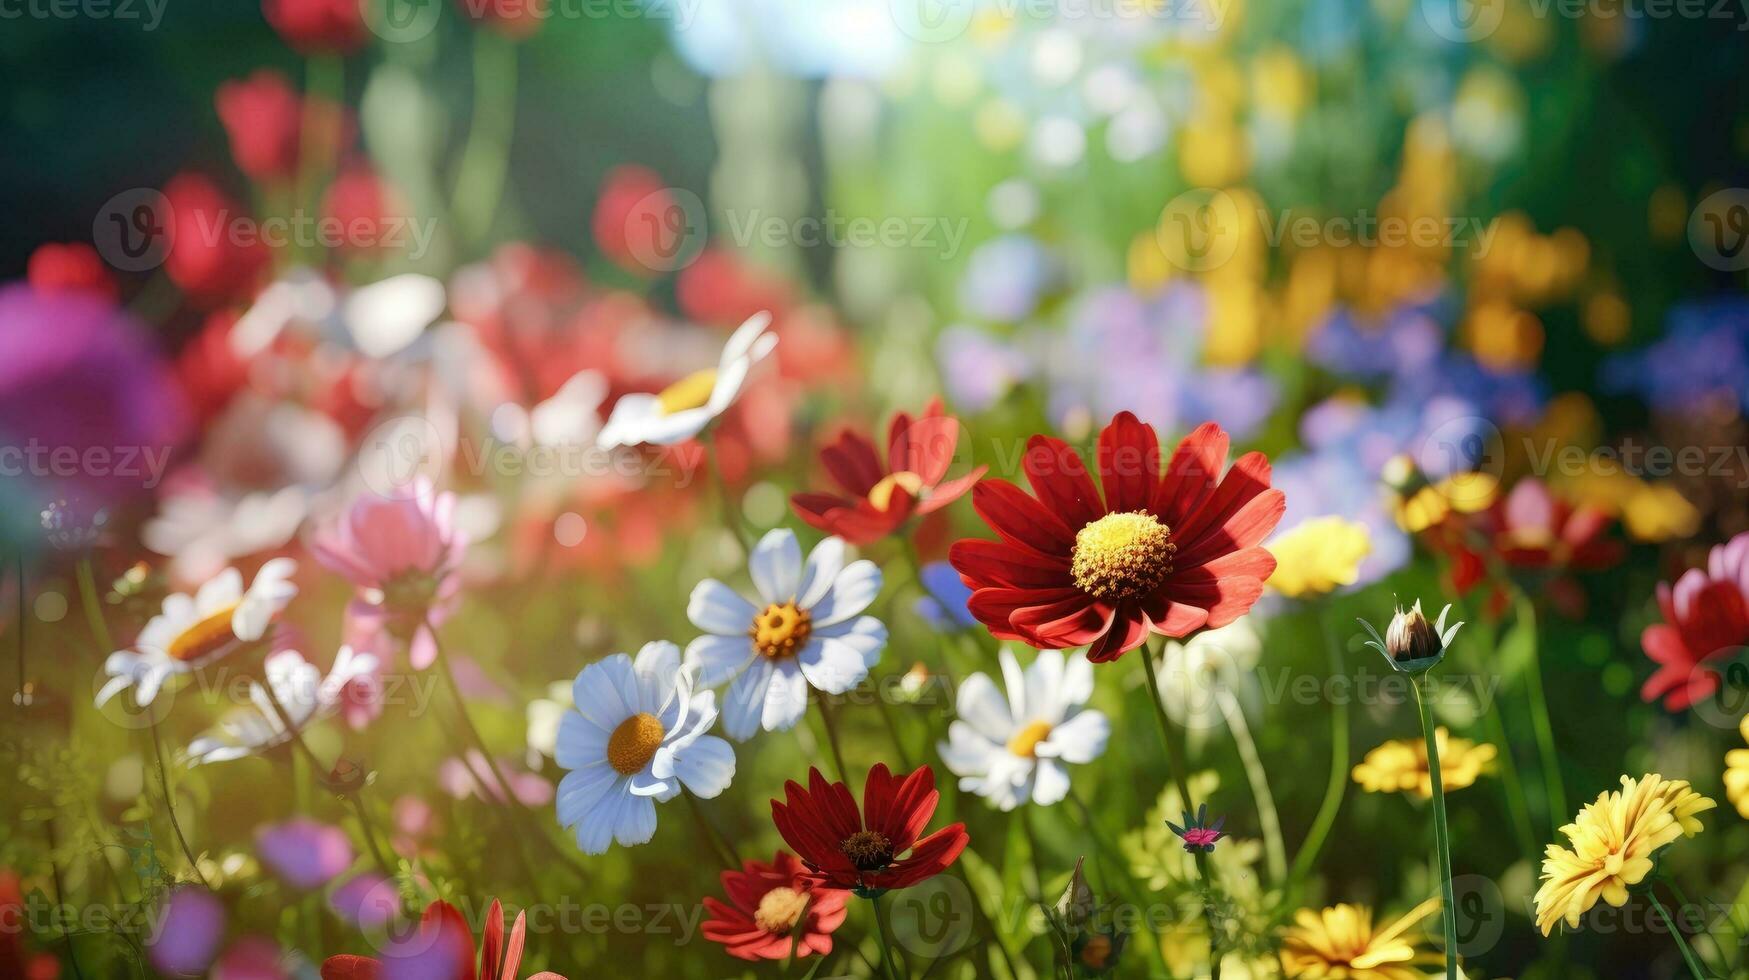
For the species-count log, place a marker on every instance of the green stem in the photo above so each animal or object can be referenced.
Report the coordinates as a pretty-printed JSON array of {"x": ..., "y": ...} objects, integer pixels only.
[
  {"x": 370, "y": 835},
  {"x": 1336, "y": 787},
  {"x": 826, "y": 719},
  {"x": 1175, "y": 760},
  {"x": 1539, "y": 715},
  {"x": 61, "y": 896},
  {"x": 1268, "y": 819},
  {"x": 888, "y": 960},
  {"x": 720, "y": 844},
  {"x": 1441, "y": 833},
  {"x": 479, "y": 182},
  {"x": 1681, "y": 944},
  {"x": 93, "y": 611},
  {"x": 170, "y": 803},
  {"x": 1683, "y": 903}
]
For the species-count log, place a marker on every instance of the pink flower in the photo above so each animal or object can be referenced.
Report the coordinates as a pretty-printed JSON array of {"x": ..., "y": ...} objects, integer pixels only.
[
  {"x": 403, "y": 554},
  {"x": 304, "y": 853},
  {"x": 1706, "y": 615},
  {"x": 462, "y": 778}
]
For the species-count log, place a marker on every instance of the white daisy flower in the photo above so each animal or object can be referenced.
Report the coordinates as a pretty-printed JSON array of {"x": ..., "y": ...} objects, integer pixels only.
[
  {"x": 684, "y": 408},
  {"x": 191, "y": 632},
  {"x": 635, "y": 738},
  {"x": 1014, "y": 749},
  {"x": 804, "y": 630},
  {"x": 302, "y": 691}
]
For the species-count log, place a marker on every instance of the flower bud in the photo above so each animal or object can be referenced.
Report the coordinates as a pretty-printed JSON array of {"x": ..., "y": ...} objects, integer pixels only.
[{"x": 1411, "y": 643}]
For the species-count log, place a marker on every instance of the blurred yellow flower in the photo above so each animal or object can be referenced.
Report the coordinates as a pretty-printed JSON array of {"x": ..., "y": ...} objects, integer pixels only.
[
  {"x": 1651, "y": 512},
  {"x": 1318, "y": 556},
  {"x": 1400, "y": 765},
  {"x": 1340, "y": 942},
  {"x": 1503, "y": 336},
  {"x": 1613, "y": 841},
  {"x": 1737, "y": 774},
  {"x": 1418, "y": 504}
]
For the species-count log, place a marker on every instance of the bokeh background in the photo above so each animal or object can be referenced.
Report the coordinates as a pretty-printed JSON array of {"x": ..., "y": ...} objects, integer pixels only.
[{"x": 1044, "y": 212}]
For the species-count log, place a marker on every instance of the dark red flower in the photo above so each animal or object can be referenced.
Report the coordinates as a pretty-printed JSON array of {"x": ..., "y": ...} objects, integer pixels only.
[
  {"x": 74, "y": 267},
  {"x": 317, "y": 26},
  {"x": 1532, "y": 528},
  {"x": 766, "y": 902},
  {"x": 638, "y": 223},
  {"x": 1168, "y": 554},
  {"x": 866, "y": 851},
  {"x": 442, "y": 948},
  {"x": 1706, "y": 617},
  {"x": 209, "y": 259},
  {"x": 885, "y": 494},
  {"x": 261, "y": 115}
]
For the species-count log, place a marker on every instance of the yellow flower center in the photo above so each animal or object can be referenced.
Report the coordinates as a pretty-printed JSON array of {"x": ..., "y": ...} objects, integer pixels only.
[
  {"x": 634, "y": 743},
  {"x": 691, "y": 391},
  {"x": 1025, "y": 742},
  {"x": 868, "y": 850},
  {"x": 204, "y": 638},
  {"x": 1612, "y": 864},
  {"x": 881, "y": 496},
  {"x": 780, "y": 909},
  {"x": 781, "y": 630},
  {"x": 1122, "y": 556}
]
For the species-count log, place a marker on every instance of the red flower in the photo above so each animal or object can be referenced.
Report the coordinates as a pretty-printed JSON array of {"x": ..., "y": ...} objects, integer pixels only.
[
  {"x": 364, "y": 208},
  {"x": 261, "y": 117},
  {"x": 637, "y": 221},
  {"x": 766, "y": 901},
  {"x": 209, "y": 259},
  {"x": 1706, "y": 616},
  {"x": 74, "y": 268},
  {"x": 1532, "y": 528},
  {"x": 442, "y": 948},
  {"x": 317, "y": 26},
  {"x": 846, "y": 849},
  {"x": 517, "y": 20},
  {"x": 885, "y": 495},
  {"x": 1165, "y": 554}
]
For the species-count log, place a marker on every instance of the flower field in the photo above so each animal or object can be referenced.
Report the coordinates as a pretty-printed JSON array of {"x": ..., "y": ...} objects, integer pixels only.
[{"x": 895, "y": 489}]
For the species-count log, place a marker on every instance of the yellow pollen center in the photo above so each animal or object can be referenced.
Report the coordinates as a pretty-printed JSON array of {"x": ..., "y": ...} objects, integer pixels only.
[
  {"x": 205, "y": 637},
  {"x": 881, "y": 496},
  {"x": 634, "y": 743},
  {"x": 692, "y": 391},
  {"x": 1025, "y": 742},
  {"x": 780, "y": 909},
  {"x": 781, "y": 630},
  {"x": 1122, "y": 556}
]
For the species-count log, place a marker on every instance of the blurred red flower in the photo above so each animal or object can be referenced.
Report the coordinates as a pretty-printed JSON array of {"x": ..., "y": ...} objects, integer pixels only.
[
  {"x": 1532, "y": 528},
  {"x": 365, "y": 208},
  {"x": 14, "y": 960},
  {"x": 721, "y": 288},
  {"x": 317, "y": 26},
  {"x": 1168, "y": 554},
  {"x": 263, "y": 118},
  {"x": 209, "y": 369},
  {"x": 884, "y": 494},
  {"x": 209, "y": 261},
  {"x": 1706, "y": 618},
  {"x": 638, "y": 223},
  {"x": 844, "y": 848},
  {"x": 443, "y": 949},
  {"x": 517, "y": 20},
  {"x": 766, "y": 902},
  {"x": 73, "y": 267}
]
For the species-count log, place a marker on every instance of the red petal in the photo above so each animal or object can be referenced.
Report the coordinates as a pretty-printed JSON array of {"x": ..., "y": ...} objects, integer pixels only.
[
  {"x": 1129, "y": 463},
  {"x": 994, "y": 607},
  {"x": 1071, "y": 621},
  {"x": 513, "y": 952},
  {"x": 1128, "y": 630},
  {"x": 1059, "y": 477},
  {"x": 927, "y": 448},
  {"x": 946, "y": 493},
  {"x": 1176, "y": 619},
  {"x": 1000, "y": 563},
  {"x": 1020, "y": 519},
  {"x": 857, "y": 522},
  {"x": 1248, "y": 478},
  {"x": 1245, "y": 529},
  {"x": 931, "y": 856},
  {"x": 1192, "y": 474},
  {"x": 349, "y": 967},
  {"x": 852, "y": 462},
  {"x": 491, "y": 941}
]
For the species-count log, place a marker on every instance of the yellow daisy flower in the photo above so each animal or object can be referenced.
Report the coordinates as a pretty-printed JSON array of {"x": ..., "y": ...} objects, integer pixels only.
[
  {"x": 1613, "y": 840},
  {"x": 1400, "y": 765},
  {"x": 1340, "y": 942},
  {"x": 1318, "y": 556},
  {"x": 1737, "y": 774}
]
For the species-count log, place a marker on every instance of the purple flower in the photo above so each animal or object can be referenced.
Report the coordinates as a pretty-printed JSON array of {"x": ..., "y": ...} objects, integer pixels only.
[
  {"x": 977, "y": 368},
  {"x": 304, "y": 853},
  {"x": 188, "y": 933},
  {"x": 945, "y": 605},
  {"x": 367, "y": 900},
  {"x": 251, "y": 958},
  {"x": 1006, "y": 277},
  {"x": 1703, "y": 357}
]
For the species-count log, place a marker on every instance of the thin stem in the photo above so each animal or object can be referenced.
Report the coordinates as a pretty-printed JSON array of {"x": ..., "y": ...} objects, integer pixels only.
[
  {"x": 826, "y": 719},
  {"x": 1539, "y": 716},
  {"x": 480, "y": 178},
  {"x": 1682, "y": 902},
  {"x": 23, "y": 700},
  {"x": 1441, "y": 833},
  {"x": 1681, "y": 944},
  {"x": 1337, "y": 784},
  {"x": 1175, "y": 760},
  {"x": 88, "y": 599},
  {"x": 61, "y": 897},
  {"x": 170, "y": 803},
  {"x": 1268, "y": 819},
  {"x": 370, "y": 835},
  {"x": 887, "y": 958}
]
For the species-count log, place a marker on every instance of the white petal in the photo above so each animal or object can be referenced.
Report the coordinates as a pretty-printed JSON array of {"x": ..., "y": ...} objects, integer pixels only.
[
  {"x": 147, "y": 683},
  {"x": 786, "y": 698},
  {"x": 630, "y": 416},
  {"x": 745, "y": 702},
  {"x": 595, "y": 828},
  {"x": 716, "y": 608},
  {"x": 851, "y": 593},
  {"x": 776, "y": 566},
  {"x": 581, "y": 743},
  {"x": 1050, "y": 783},
  {"x": 1081, "y": 739},
  {"x": 821, "y": 571},
  {"x": 866, "y": 634},
  {"x": 219, "y": 591},
  {"x": 1077, "y": 682},
  {"x": 706, "y": 766},
  {"x": 1044, "y": 685},
  {"x": 719, "y": 658},
  {"x": 581, "y": 791},
  {"x": 1015, "y": 681},
  {"x": 597, "y": 691},
  {"x": 966, "y": 752},
  {"x": 984, "y": 708},
  {"x": 636, "y": 821},
  {"x": 741, "y": 342},
  {"x": 657, "y": 667},
  {"x": 647, "y": 783},
  {"x": 387, "y": 315},
  {"x": 831, "y": 665}
]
